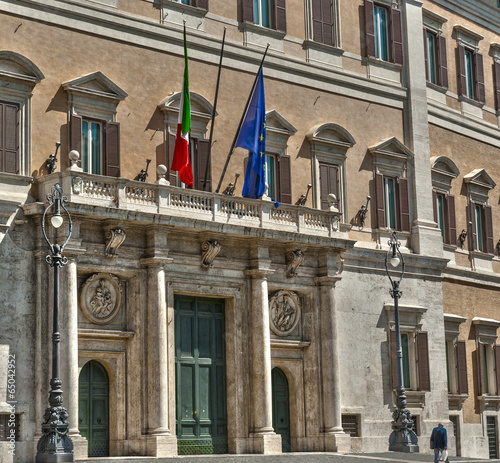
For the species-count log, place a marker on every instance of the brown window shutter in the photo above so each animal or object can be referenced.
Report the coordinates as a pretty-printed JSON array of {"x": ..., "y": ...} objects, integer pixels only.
[
  {"x": 496, "y": 349},
  {"x": 322, "y": 19},
  {"x": 9, "y": 138},
  {"x": 479, "y": 78},
  {"x": 451, "y": 235},
  {"x": 112, "y": 154},
  {"x": 328, "y": 180},
  {"x": 497, "y": 85},
  {"x": 396, "y": 36},
  {"x": 328, "y": 26},
  {"x": 473, "y": 231},
  {"x": 247, "y": 11},
  {"x": 278, "y": 9},
  {"x": 424, "y": 377},
  {"x": 461, "y": 352},
  {"x": 172, "y": 175},
  {"x": 394, "y": 359},
  {"x": 461, "y": 70},
  {"x": 201, "y": 166},
  {"x": 488, "y": 229},
  {"x": 75, "y": 136},
  {"x": 404, "y": 205},
  {"x": 426, "y": 57},
  {"x": 434, "y": 205},
  {"x": 442, "y": 65},
  {"x": 379, "y": 194},
  {"x": 201, "y": 4},
  {"x": 285, "y": 181},
  {"x": 369, "y": 28},
  {"x": 480, "y": 368},
  {"x": 317, "y": 20}
]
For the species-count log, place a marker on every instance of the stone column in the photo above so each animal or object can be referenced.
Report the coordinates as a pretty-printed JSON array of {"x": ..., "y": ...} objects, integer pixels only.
[
  {"x": 334, "y": 437},
  {"x": 160, "y": 441},
  {"x": 265, "y": 440},
  {"x": 425, "y": 238}
]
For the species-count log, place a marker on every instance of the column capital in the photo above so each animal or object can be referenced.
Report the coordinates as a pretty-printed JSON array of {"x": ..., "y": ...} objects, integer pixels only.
[
  {"x": 259, "y": 272},
  {"x": 327, "y": 280},
  {"x": 156, "y": 262}
]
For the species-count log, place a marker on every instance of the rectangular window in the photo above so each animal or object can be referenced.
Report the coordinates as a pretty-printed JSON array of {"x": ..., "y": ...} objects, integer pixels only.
[
  {"x": 381, "y": 32},
  {"x": 262, "y": 12},
  {"x": 405, "y": 345},
  {"x": 469, "y": 74},
  {"x": 198, "y": 152},
  {"x": 481, "y": 220},
  {"x": 329, "y": 184},
  {"x": 441, "y": 214},
  {"x": 390, "y": 202},
  {"x": 91, "y": 146},
  {"x": 444, "y": 216},
  {"x": 479, "y": 227},
  {"x": 271, "y": 178},
  {"x": 350, "y": 425},
  {"x": 430, "y": 44}
]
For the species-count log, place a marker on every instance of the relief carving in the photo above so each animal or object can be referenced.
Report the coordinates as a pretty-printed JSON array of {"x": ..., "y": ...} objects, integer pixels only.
[
  {"x": 114, "y": 238},
  {"x": 100, "y": 298},
  {"x": 285, "y": 311},
  {"x": 293, "y": 260},
  {"x": 209, "y": 251}
]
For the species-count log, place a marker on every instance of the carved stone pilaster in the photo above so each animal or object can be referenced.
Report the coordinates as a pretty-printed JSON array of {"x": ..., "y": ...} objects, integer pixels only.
[
  {"x": 114, "y": 238},
  {"x": 293, "y": 260},
  {"x": 209, "y": 251}
]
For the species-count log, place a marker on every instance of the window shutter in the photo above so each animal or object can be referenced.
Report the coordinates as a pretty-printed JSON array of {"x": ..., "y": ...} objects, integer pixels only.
[
  {"x": 201, "y": 166},
  {"x": 396, "y": 36},
  {"x": 434, "y": 205},
  {"x": 496, "y": 349},
  {"x": 451, "y": 234},
  {"x": 278, "y": 8},
  {"x": 379, "y": 194},
  {"x": 462, "y": 384},
  {"x": 404, "y": 205},
  {"x": 479, "y": 77},
  {"x": 328, "y": 179},
  {"x": 201, "y": 4},
  {"x": 285, "y": 182},
  {"x": 472, "y": 215},
  {"x": 480, "y": 368},
  {"x": 172, "y": 175},
  {"x": 322, "y": 20},
  {"x": 75, "y": 136},
  {"x": 369, "y": 28},
  {"x": 9, "y": 138},
  {"x": 112, "y": 154},
  {"x": 426, "y": 57},
  {"x": 497, "y": 85},
  {"x": 442, "y": 62},
  {"x": 317, "y": 20},
  {"x": 247, "y": 11},
  {"x": 394, "y": 359},
  {"x": 424, "y": 378},
  {"x": 488, "y": 230},
  {"x": 461, "y": 70}
]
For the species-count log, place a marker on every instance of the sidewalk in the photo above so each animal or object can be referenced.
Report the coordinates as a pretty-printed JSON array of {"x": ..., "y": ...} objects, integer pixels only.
[{"x": 389, "y": 457}]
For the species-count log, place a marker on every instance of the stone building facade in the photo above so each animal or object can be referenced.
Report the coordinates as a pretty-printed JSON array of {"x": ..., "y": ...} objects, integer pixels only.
[{"x": 201, "y": 322}]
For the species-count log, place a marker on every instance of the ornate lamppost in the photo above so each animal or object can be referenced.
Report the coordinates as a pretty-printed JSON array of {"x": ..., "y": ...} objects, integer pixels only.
[
  {"x": 55, "y": 445},
  {"x": 403, "y": 437}
]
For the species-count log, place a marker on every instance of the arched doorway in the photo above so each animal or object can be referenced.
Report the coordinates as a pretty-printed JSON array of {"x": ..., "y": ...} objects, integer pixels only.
[
  {"x": 281, "y": 408},
  {"x": 93, "y": 408}
]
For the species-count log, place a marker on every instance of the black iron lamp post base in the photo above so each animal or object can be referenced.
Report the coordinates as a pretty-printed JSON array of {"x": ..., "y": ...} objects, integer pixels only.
[{"x": 55, "y": 445}]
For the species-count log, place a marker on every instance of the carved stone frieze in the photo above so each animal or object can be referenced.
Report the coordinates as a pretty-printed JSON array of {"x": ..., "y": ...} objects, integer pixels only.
[
  {"x": 284, "y": 311},
  {"x": 209, "y": 251},
  {"x": 114, "y": 238},
  {"x": 293, "y": 260},
  {"x": 101, "y": 298}
]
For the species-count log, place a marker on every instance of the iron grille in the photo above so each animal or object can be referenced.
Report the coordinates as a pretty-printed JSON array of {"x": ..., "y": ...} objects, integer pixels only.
[
  {"x": 350, "y": 423},
  {"x": 5, "y": 429}
]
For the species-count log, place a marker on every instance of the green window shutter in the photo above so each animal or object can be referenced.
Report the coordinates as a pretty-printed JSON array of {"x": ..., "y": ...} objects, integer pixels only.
[
  {"x": 369, "y": 28},
  {"x": 396, "y": 36},
  {"x": 461, "y": 352},
  {"x": 424, "y": 377},
  {"x": 278, "y": 11},
  {"x": 112, "y": 152},
  {"x": 379, "y": 196},
  {"x": 442, "y": 66},
  {"x": 451, "y": 235}
]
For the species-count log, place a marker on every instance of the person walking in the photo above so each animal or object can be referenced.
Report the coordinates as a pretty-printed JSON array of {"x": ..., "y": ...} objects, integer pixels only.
[{"x": 439, "y": 442}]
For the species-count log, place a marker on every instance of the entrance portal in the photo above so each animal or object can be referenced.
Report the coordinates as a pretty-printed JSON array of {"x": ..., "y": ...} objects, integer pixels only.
[
  {"x": 93, "y": 408},
  {"x": 200, "y": 366},
  {"x": 281, "y": 408}
]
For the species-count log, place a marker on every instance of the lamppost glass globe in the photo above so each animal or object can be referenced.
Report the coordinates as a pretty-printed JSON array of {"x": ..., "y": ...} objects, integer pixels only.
[
  {"x": 56, "y": 220},
  {"x": 395, "y": 261}
]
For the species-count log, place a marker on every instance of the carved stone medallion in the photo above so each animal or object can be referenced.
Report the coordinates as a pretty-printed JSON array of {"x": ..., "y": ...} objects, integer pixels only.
[
  {"x": 284, "y": 311},
  {"x": 101, "y": 298}
]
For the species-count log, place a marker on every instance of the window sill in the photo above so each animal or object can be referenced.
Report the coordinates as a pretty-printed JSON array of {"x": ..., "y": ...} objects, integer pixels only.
[
  {"x": 414, "y": 399},
  {"x": 436, "y": 93},
  {"x": 457, "y": 400},
  {"x": 471, "y": 107},
  {"x": 261, "y": 36},
  {"x": 328, "y": 55},
  {"x": 490, "y": 401},
  {"x": 176, "y": 13}
]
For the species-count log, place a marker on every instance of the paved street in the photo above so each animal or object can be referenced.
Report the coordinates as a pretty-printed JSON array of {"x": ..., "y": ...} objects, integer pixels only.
[{"x": 389, "y": 457}]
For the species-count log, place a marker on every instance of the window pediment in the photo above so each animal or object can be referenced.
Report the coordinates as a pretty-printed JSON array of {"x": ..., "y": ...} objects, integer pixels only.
[
  {"x": 479, "y": 178},
  {"x": 410, "y": 315},
  {"x": 278, "y": 131},
  {"x": 467, "y": 37},
  {"x": 18, "y": 67},
  {"x": 391, "y": 147},
  {"x": 444, "y": 170},
  {"x": 486, "y": 329},
  {"x": 95, "y": 85},
  {"x": 200, "y": 106},
  {"x": 330, "y": 136},
  {"x": 452, "y": 325}
]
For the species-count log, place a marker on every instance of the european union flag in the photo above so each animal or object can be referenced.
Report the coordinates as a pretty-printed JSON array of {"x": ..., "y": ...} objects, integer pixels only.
[{"x": 253, "y": 138}]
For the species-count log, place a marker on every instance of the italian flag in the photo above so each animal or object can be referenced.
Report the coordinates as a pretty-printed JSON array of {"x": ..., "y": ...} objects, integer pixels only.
[{"x": 182, "y": 160}]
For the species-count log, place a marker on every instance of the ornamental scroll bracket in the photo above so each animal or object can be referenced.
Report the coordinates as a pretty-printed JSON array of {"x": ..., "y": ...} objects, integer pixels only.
[
  {"x": 209, "y": 251},
  {"x": 114, "y": 238},
  {"x": 293, "y": 260}
]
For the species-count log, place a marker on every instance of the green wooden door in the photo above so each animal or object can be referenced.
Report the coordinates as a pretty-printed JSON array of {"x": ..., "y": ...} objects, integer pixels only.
[
  {"x": 200, "y": 365},
  {"x": 281, "y": 408},
  {"x": 93, "y": 408}
]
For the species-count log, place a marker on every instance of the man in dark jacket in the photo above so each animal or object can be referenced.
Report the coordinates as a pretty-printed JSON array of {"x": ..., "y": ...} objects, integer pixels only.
[{"x": 439, "y": 441}]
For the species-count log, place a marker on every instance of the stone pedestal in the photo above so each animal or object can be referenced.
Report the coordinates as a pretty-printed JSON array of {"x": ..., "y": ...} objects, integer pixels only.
[
  {"x": 266, "y": 443},
  {"x": 161, "y": 446},
  {"x": 337, "y": 442}
]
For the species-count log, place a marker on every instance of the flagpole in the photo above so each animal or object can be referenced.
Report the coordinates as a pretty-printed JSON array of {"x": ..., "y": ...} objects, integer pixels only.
[
  {"x": 241, "y": 122},
  {"x": 214, "y": 110}
]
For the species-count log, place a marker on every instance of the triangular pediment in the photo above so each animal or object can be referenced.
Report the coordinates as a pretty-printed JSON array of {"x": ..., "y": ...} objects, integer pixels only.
[
  {"x": 19, "y": 67},
  {"x": 480, "y": 178},
  {"x": 331, "y": 134},
  {"x": 276, "y": 122},
  {"x": 391, "y": 146},
  {"x": 96, "y": 84}
]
